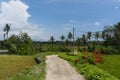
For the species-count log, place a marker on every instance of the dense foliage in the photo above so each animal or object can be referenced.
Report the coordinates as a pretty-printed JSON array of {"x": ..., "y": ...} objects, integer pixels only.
[{"x": 19, "y": 44}]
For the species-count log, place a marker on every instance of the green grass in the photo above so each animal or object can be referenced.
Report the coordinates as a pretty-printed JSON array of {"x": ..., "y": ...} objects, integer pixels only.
[
  {"x": 111, "y": 65},
  {"x": 36, "y": 72},
  {"x": 11, "y": 65}
]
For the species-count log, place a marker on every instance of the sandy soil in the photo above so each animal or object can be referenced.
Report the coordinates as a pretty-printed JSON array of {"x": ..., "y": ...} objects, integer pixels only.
[{"x": 59, "y": 69}]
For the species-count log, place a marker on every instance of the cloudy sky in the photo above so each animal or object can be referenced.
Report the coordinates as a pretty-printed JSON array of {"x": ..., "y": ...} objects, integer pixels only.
[{"x": 44, "y": 18}]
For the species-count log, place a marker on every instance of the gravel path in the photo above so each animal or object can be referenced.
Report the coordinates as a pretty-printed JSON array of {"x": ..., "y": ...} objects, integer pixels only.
[{"x": 59, "y": 69}]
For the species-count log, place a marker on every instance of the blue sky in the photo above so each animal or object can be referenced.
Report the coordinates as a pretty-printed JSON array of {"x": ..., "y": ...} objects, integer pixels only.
[{"x": 45, "y": 18}]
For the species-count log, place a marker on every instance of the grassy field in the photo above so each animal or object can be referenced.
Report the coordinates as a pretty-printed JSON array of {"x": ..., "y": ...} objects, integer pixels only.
[
  {"x": 111, "y": 65},
  {"x": 11, "y": 65},
  {"x": 36, "y": 72}
]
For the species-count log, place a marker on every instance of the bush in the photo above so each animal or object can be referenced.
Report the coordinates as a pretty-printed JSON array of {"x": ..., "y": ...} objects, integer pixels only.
[{"x": 91, "y": 58}]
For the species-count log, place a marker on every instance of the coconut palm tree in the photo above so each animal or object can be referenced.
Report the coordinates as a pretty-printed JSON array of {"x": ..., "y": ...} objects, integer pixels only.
[
  {"x": 52, "y": 39},
  {"x": 7, "y": 29},
  {"x": 89, "y": 35},
  {"x": 70, "y": 36},
  {"x": 62, "y": 38},
  {"x": 84, "y": 39},
  {"x": 97, "y": 35}
]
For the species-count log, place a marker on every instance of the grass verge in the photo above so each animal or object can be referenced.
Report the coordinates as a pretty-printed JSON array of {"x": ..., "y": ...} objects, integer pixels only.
[
  {"x": 111, "y": 65},
  {"x": 91, "y": 72}
]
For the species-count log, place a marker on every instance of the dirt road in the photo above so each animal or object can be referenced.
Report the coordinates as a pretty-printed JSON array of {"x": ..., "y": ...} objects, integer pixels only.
[{"x": 59, "y": 69}]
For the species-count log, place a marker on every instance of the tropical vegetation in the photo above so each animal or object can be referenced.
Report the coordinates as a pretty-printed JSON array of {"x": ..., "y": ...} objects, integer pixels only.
[{"x": 96, "y": 52}]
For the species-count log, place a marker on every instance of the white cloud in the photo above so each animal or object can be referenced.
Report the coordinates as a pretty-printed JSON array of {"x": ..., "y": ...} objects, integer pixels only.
[{"x": 15, "y": 13}]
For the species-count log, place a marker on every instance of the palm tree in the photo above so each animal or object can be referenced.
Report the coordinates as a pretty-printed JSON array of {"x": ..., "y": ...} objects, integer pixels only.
[
  {"x": 7, "y": 29},
  {"x": 97, "y": 35},
  {"x": 84, "y": 39},
  {"x": 62, "y": 38},
  {"x": 52, "y": 39},
  {"x": 89, "y": 35},
  {"x": 70, "y": 36}
]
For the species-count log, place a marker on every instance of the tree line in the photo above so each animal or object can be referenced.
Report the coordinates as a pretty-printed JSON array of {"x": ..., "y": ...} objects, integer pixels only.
[{"x": 108, "y": 41}]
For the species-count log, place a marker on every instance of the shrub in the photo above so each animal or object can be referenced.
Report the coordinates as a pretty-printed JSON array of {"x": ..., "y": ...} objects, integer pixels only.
[{"x": 91, "y": 58}]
